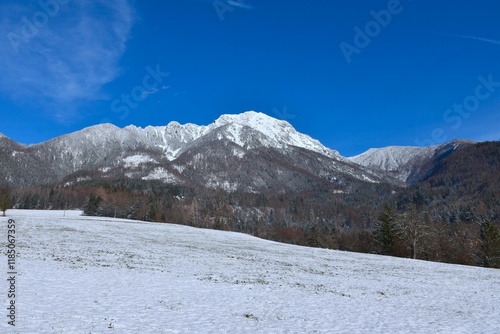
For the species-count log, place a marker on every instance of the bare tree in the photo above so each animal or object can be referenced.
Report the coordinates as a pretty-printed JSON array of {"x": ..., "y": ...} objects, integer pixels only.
[{"x": 412, "y": 230}]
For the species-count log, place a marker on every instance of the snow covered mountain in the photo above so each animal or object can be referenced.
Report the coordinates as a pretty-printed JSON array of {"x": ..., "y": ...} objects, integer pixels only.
[
  {"x": 97, "y": 143},
  {"x": 406, "y": 164},
  {"x": 228, "y": 153},
  {"x": 175, "y": 138},
  {"x": 277, "y": 133},
  {"x": 250, "y": 152},
  {"x": 397, "y": 162}
]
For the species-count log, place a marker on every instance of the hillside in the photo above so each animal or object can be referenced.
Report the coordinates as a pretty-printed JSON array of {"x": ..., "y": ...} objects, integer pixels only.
[
  {"x": 461, "y": 187},
  {"x": 407, "y": 165},
  {"x": 103, "y": 275}
]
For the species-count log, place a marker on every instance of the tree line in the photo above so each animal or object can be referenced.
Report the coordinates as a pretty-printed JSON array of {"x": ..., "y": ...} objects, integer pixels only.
[{"x": 403, "y": 229}]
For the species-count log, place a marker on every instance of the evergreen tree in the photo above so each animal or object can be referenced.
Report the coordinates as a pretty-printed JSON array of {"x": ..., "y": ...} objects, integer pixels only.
[
  {"x": 313, "y": 238},
  {"x": 132, "y": 211},
  {"x": 51, "y": 199},
  {"x": 5, "y": 199},
  {"x": 92, "y": 206},
  {"x": 489, "y": 245},
  {"x": 385, "y": 233},
  {"x": 26, "y": 202},
  {"x": 151, "y": 213}
]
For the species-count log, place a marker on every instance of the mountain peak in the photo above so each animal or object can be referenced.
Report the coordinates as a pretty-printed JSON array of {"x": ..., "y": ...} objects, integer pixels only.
[
  {"x": 175, "y": 137},
  {"x": 105, "y": 126},
  {"x": 279, "y": 131},
  {"x": 250, "y": 118}
]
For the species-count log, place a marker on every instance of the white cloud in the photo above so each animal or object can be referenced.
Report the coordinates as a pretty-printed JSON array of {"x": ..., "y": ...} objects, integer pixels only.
[
  {"x": 475, "y": 38},
  {"x": 233, "y": 3},
  {"x": 146, "y": 93},
  {"x": 153, "y": 91},
  {"x": 239, "y": 4},
  {"x": 481, "y": 39},
  {"x": 62, "y": 55}
]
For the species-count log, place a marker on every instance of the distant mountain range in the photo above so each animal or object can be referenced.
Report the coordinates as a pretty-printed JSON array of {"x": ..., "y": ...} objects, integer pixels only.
[{"x": 248, "y": 152}]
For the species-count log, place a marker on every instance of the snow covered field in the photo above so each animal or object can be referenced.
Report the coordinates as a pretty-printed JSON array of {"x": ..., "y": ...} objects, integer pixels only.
[{"x": 99, "y": 275}]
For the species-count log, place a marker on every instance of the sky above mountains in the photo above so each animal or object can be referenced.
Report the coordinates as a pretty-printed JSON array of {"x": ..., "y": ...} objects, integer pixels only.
[{"x": 353, "y": 74}]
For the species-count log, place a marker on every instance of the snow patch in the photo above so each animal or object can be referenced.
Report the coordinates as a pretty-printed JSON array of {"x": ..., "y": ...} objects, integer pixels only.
[
  {"x": 216, "y": 183},
  {"x": 239, "y": 153},
  {"x": 161, "y": 174},
  {"x": 136, "y": 160},
  {"x": 172, "y": 154},
  {"x": 178, "y": 168}
]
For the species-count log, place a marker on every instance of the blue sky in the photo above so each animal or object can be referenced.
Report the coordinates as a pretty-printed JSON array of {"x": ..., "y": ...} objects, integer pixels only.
[{"x": 353, "y": 74}]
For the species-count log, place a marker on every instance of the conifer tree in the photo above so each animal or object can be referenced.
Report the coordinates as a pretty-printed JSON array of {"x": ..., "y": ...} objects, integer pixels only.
[
  {"x": 5, "y": 199},
  {"x": 92, "y": 206},
  {"x": 151, "y": 213},
  {"x": 385, "y": 231},
  {"x": 489, "y": 245}
]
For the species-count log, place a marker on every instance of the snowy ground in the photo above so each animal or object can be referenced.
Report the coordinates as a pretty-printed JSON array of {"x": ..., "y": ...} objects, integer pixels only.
[{"x": 87, "y": 275}]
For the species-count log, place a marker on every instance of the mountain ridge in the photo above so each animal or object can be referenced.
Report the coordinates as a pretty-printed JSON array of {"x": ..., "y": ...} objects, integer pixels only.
[
  {"x": 106, "y": 147},
  {"x": 406, "y": 163},
  {"x": 152, "y": 152}
]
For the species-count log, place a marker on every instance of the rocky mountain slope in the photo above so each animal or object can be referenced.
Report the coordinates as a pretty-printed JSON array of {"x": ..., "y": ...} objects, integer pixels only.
[
  {"x": 406, "y": 165},
  {"x": 249, "y": 152},
  {"x": 229, "y": 153}
]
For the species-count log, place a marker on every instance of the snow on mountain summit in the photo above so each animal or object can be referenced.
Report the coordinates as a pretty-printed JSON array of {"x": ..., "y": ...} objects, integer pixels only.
[
  {"x": 281, "y": 132},
  {"x": 405, "y": 162},
  {"x": 391, "y": 158},
  {"x": 175, "y": 138},
  {"x": 397, "y": 161},
  {"x": 249, "y": 130}
]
